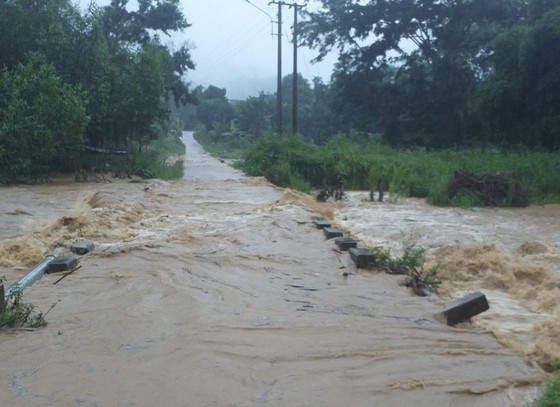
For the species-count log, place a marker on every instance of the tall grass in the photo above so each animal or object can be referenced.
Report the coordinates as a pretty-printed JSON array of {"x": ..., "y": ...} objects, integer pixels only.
[{"x": 417, "y": 172}]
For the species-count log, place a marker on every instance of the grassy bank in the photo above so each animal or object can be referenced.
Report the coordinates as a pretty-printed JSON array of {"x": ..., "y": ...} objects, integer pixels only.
[
  {"x": 151, "y": 162},
  {"x": 230, "y": 144},
  {"x": 288, "y": 161}
]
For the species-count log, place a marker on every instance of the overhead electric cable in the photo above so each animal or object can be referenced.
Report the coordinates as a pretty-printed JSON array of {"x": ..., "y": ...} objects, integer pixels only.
[{"x": 260, "y": 9}]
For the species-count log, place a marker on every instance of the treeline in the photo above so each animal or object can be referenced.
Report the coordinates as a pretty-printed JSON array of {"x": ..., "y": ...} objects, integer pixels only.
[
  {"x": 436, "y": 74},
  {"x": 71, "y": 79}
]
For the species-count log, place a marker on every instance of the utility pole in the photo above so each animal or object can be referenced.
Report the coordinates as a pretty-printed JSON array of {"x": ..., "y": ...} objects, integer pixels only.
[
  {"x": 295, "y": 78},
  {"x": 279, "y": 79}
]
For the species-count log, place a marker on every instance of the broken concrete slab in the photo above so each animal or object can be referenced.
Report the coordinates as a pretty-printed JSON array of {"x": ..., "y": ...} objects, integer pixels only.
[
  {"x": 331, "y": 233},
  {"x": 345, "y": 243},
  {"x": 463, "y": 309},
  {"x": 321, "y": 224},
  {"x": 362, "y": 258},
  {"x": 82, "y": 247},
  {"x": 62, "y": 263}
]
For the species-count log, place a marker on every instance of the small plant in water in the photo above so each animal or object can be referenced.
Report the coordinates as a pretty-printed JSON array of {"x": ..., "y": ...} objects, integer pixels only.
[
  {"x": 419, "y": 280},
  {"x": 411, "y": 263},
  {"x": 15, "y": 313}
]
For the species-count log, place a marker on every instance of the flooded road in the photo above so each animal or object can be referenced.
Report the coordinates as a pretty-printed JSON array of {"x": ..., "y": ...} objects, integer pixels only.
[{"x": 217, "y": 290}]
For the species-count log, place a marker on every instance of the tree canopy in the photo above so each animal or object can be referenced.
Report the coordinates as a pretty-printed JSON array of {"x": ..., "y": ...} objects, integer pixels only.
[
  {"x": 109, "y": 62},
  {"x": 433, "y": 72}
]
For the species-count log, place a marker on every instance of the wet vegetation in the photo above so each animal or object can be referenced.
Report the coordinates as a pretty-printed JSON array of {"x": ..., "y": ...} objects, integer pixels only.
[
  {"x": 467, "y": 113},
  {"x": 16, "y": 313},
  {"x": 416, "y": 172},
  {"x": 420, "y": 280},
  {"x": 551, "y": 394},
  {"x": 100, "y": 80}
]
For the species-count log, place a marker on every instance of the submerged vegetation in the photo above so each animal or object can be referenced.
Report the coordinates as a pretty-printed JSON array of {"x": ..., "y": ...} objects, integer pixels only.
[
  {"x": 16, "y": 313},
  {"x": 411, "y": 263}
]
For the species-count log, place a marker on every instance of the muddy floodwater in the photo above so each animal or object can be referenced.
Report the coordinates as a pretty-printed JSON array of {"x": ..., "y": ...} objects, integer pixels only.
[{"x": 217, "y": 290}]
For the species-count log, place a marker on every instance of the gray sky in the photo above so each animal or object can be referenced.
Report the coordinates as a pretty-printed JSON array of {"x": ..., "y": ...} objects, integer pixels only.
[{"x": 233, "y": 48}]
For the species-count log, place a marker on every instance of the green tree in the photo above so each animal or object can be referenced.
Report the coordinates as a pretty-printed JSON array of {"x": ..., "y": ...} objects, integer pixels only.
[
  {"x": 439, "y": 43},
  {"x": 520, "y": 102},
  {"x": 304, "y": 99},
  {"x": 137, "y": 26},
  {"x": 324, "y": 120},
  {"x": 214, "y": 108},
  {"x": 256, "y": 115},
  {"x": 42, "y": 121},
  {"x": 30, "y": 26}
]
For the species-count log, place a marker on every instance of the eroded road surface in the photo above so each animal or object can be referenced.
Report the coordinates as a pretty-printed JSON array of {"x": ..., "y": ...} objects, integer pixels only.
[{"x": 218, "y": 290}]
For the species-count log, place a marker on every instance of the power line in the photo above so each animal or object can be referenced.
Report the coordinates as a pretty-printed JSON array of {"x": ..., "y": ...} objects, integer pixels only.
[
  {"x": 260, "y": 9},
  {"x": 220, "y": 54}
]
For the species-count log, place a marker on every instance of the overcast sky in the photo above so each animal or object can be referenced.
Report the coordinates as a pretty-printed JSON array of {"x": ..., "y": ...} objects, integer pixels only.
[{"x": 233, "y": 46}]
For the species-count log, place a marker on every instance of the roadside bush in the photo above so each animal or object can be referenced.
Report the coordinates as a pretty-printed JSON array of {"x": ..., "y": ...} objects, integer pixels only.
[
  {"x": 529, "y": 177},
  {"x": 16, "y": 313}
]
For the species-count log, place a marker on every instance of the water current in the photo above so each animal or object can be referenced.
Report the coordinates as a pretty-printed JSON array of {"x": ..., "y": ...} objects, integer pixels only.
[{"x": 217, "y": 290}]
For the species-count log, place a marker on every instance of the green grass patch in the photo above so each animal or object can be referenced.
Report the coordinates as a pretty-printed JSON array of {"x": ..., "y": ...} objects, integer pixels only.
[
  {"x": 228, "y": 143},
  {"x": 169, "y": 145},
  {"x": 551, "y": 394},
  {"x": 151, "y": 162},
  {"x": 288, "y": 161}
]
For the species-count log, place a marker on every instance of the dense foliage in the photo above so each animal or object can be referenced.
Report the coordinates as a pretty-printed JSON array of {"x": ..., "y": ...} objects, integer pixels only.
[
  {"x": 427, "y": 97},
  {"x": 98, "y": 79},
  {"x": 430, "y": 73},
  {"x": 445, "y": 73},
  {"x": 289, "y": 161}
]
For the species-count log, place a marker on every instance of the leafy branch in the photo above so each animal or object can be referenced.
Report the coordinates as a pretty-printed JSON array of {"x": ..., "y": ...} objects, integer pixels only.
[{"x": 16, "y": 313}]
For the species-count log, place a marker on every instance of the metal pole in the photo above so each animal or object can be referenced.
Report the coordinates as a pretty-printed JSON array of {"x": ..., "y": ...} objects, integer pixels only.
[
  {"x": 33, "y": 275},
  {"x": 279, "y": 84},
  {"x": 295, "y": 79}
]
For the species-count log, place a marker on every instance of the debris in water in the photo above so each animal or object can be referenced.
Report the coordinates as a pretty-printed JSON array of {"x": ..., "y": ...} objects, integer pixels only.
[
  {"x": 82, "y": 247},
  {"x": 463, "y": 309},
  {"x": 62, "y": 263}
]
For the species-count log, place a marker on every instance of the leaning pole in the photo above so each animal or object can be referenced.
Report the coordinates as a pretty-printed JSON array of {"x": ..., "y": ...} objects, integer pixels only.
[{"x": 32, "y": 275}]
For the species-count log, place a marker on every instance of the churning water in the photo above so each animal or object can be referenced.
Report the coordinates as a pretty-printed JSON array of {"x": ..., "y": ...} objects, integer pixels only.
[{"x": 217, "y": 290}]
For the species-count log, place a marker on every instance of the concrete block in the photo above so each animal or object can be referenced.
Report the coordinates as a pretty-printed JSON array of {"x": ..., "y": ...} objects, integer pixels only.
[
  {"x": 321, "y": 224},
  {"x": 362, "y": 258},
  {"x": 82, "y": 247},
  {"x": 62, "y": 263},
  {"x": 332, "y": 233},
  {"x": 345, "y": 243},
  {"x": 462, "y": 309}
]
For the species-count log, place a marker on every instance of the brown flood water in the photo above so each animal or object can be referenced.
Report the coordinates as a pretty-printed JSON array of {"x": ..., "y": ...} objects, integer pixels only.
[{"x": 217, "y": 290}]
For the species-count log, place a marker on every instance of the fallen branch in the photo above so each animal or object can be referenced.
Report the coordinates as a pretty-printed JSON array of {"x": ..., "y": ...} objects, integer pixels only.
[{"x": 66, "y": 275}]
